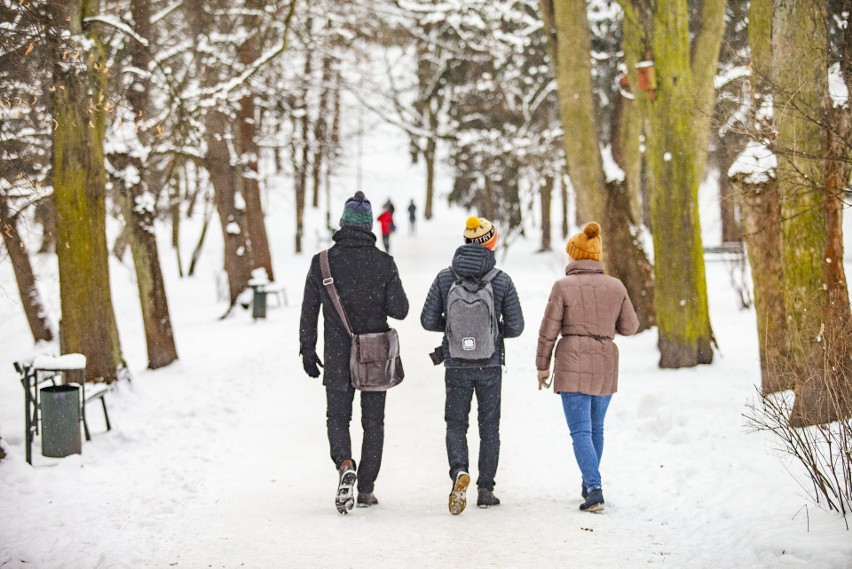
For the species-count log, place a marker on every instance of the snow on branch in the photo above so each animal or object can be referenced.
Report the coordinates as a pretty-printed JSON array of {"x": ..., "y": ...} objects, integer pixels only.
[{"x": 117, "y": 24}]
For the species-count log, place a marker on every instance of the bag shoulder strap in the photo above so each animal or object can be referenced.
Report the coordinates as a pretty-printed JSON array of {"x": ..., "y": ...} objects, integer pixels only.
[
  {"x": 490, "y": 275},
  {"x": 328, "y": 282}
]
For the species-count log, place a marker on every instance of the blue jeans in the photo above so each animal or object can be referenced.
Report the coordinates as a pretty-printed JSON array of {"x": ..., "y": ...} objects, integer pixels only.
[{"x": 585, "y": 415}]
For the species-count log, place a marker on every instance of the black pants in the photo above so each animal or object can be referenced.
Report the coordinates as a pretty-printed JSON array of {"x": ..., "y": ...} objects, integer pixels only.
[
  {"x": 339, "y": 415},
  {"x": 461, "y": 385},
  {"x": 386, "y": 242}
]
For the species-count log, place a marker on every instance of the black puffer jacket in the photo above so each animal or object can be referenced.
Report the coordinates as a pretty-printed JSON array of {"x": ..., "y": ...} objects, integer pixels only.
[
  {"x": 368, "y": 283},
  {"x": 474, "y": 261}
]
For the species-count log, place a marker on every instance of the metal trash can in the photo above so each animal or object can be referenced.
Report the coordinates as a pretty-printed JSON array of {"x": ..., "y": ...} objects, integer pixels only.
[
  {"x": 60, "y": 421},
  {"x": 258, "y": 309}
]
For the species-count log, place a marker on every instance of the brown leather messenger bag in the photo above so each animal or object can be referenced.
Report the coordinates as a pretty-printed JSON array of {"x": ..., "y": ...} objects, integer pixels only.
[{"x": 374, "y": 362}]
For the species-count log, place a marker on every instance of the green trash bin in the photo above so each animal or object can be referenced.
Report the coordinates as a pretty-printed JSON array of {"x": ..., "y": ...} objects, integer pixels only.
[
  {"x": 259, "y": 302},
  {"x": 60, "y": 421}
]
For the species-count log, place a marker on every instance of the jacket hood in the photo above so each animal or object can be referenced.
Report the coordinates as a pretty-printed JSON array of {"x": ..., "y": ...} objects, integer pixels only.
[
  {"x": 584, "y": 266},
  {"x": 351, "y": 236},
  {"x": 473, "y": 260}
]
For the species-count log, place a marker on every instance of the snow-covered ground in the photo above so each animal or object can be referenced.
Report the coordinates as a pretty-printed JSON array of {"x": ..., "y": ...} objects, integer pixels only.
[{"x": 221, "y": 459}]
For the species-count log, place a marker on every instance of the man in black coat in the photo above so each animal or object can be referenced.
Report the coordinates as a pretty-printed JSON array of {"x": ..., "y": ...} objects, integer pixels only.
[
  {"x": 370, "y": 290},
  {"x": 464, "y": 377}
]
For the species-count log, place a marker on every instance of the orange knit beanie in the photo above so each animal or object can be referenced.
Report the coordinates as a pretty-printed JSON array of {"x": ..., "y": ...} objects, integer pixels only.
[
  {"x": 586, "y": 244},
  {"x": 481, "y": 231}
]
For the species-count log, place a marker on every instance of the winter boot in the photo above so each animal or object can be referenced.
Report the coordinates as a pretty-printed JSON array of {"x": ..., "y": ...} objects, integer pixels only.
[
  {"x": 583, "y": 492},
  {"x": 594, "y": 501},
  {"x": 486, "y": 499},
  {"x": 458, "y": 496},
  {"x": 345, "y": 499},
  {"x": 366, "y": 499}
]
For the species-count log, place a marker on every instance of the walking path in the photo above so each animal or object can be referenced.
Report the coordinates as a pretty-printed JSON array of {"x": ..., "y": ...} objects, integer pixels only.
[{"x": 221, "y": 460}]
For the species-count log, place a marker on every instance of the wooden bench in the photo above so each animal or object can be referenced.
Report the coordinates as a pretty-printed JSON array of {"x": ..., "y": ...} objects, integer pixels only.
[{"x": 44, "y": 371}]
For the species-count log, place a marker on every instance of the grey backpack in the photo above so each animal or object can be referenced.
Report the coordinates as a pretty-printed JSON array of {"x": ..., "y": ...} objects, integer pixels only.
[{"x": 471, "y": 318}]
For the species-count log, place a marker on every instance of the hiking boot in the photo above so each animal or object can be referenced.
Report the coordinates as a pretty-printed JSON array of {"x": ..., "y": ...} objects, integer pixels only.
[
  {"x": 345, "y": 499},
  {"x": 366, "y": 499},
  {"x": 458, "y": 496},
  {"x": 486, "y": 499},
  {"x": 594, "y": 501},
  {"x": 583, "y": 492}
]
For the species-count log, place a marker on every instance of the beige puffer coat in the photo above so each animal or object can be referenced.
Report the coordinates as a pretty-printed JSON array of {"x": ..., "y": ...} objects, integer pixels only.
[{"x": 587, "y": 307}]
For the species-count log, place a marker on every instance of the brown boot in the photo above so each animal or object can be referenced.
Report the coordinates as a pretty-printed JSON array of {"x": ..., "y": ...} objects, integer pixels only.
[{"x": 345, "y": 499}]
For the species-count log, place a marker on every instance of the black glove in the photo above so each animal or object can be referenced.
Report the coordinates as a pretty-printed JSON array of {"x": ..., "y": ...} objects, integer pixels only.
[{"x": 311, "y": 363}]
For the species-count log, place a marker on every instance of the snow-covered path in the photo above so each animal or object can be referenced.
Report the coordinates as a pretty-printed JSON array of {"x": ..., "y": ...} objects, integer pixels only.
[{"x": 221, "y": 460}]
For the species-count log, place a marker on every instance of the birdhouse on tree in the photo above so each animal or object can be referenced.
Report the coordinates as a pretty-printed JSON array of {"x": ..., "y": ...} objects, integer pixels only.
[{"x": 647, "y": 79}]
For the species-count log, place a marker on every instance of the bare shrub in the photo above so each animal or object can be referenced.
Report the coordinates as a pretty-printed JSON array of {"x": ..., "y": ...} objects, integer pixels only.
[{"x": 823, "y": 401}]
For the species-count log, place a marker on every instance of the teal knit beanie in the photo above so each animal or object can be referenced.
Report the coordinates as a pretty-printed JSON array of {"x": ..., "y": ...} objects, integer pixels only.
[{"x": 357, "y": 211}]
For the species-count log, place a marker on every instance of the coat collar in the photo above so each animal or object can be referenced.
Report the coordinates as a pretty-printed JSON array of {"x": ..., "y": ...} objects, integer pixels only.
[
  {"x": 584, "y": 266},
  {"x": 354, "y": 237}
]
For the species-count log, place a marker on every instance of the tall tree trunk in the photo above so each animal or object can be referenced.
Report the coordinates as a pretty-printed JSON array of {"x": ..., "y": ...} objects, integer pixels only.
[
  {"x": 570, "y": 53},
  {"x": 301, "y": 154},
  {"x": 563, "y": 191},
  {"x": 429, "y": 159},
  {"x": 218, "y": 162},
  {"x": 138, "y": 205},
  {"x": 175, "y": 214},
  {"x": 255, "y": 223},
  {"x": 45, "y": 214},
  {"x": 761, "y": 207},
  {"x": 799, "y": 76},
  {"x": 630, "y": 264},
  {"x": 731, "y": 228},
  {"x": 577, "y": 111},
  {"x": 79, "y": 179},
  {"x": 24, "y": 276},
  {"x": 676, "y": 155},
  {"x": 762, "y": 223},
  {"x": 320, "y": 149},
  {"x": 225, "y": 180},
  {"x": 333, "y": 146},
  {"x": 546, "y": 194}
]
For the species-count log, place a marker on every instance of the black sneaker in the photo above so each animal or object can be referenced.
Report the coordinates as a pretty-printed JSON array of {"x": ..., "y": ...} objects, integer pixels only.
[
  {"x": 458, "y": 496},
  {"x": 486, "y": 499},
  {"x": 366, "y": 499},
  {"x": 345, "y": 499},
  {"x": 594, "y": 501}
]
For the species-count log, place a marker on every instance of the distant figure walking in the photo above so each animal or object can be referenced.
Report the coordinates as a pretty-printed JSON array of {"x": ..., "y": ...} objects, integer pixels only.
[
  {"x": 369, "y": 285},
  {"x": 587, "y": 308},
  {"x": 386, "y": 222},
  {"x": 476, "y": 306},
  {"x": 412, "y": 218}
]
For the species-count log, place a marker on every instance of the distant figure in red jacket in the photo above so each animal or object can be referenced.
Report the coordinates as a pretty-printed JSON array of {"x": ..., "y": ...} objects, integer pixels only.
[{"x": 386, "y": 220}]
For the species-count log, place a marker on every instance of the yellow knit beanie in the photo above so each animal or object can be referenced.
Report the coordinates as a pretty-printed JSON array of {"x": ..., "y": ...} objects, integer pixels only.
[
  {"x": 480, "y": 230},
  {"x": 586, "y": 244}
]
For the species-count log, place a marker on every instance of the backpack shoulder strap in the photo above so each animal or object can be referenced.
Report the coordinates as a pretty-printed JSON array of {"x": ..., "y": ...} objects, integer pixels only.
[
  {"x": 328, "y": 282},
  {"x": 490, "y": 275}
]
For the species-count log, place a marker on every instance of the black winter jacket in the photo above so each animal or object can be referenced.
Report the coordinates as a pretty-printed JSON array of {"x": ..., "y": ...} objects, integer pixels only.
[
  {"x": 367, "y": 281},
  {"x": 474, "y": 260}
]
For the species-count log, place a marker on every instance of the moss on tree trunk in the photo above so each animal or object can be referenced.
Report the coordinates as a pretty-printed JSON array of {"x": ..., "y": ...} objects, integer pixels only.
[
  {"x": 676, "y": 157},
  {"x": 78, "y": 98}
]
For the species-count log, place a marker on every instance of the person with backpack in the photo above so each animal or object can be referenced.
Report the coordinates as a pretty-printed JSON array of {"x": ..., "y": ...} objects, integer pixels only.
[
  {"x": 368, "y": 285},
  {"x": 586, "y": 308},
  {"x": 475, "y": 305}
]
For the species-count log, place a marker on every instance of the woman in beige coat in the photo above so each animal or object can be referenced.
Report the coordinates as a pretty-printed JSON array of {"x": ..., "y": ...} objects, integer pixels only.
[{"x": 586, "y": 308}]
